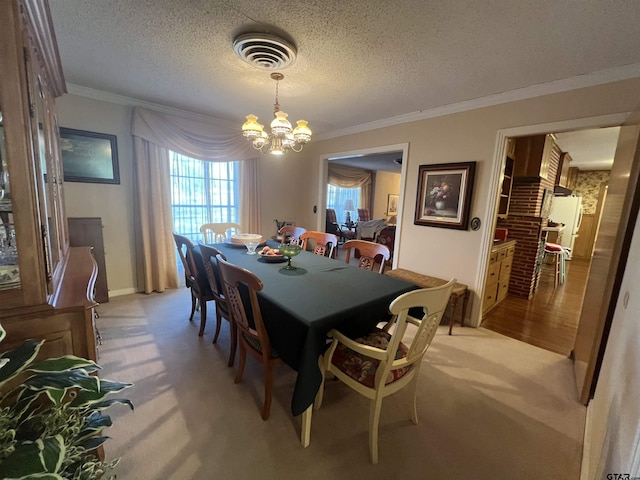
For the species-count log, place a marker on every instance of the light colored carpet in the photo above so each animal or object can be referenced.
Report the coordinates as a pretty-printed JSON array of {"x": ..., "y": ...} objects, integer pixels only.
[{"x": 490, "y": 407}]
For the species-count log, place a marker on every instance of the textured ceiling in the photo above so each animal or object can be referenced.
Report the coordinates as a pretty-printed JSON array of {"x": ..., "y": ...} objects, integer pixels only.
[
  {"x": 358, "y": 62},
  {"x": 590, "y": 149}
]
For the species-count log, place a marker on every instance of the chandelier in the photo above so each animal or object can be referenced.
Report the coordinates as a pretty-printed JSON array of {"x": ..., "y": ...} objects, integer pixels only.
[{"x": 282, "y": 136}]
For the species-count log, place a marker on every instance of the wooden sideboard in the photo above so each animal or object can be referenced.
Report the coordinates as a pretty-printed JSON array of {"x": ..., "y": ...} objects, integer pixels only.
[
  {"x": 496, "y": 286},
  {"x": 48, "y": 292}
]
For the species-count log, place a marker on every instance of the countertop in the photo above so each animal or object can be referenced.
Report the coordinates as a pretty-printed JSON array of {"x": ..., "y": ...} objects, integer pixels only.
[{"x": 505, "y": 243}]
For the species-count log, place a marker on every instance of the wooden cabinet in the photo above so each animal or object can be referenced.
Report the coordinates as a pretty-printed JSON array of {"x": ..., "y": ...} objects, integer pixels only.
[
  {"x": 562, "y": 177},
  {"x": 534, "y": 156},
  {"x": 87, "y": 231},
  {"x": 572, "y": 177},
  {"x": 496, "y": 285},
  {"x": 45, "y": 287},
  {"x": 505, "y": 189}
]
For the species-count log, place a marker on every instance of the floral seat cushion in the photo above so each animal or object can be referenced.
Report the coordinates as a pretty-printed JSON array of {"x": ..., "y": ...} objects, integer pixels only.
[{"x": 362, "y": 368}]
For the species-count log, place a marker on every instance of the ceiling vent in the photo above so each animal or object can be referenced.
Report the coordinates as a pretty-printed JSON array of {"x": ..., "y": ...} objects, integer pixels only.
[{"x": 265, "y": 51}]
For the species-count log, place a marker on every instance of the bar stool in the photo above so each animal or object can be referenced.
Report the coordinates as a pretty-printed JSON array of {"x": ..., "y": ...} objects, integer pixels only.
[{"x": 558, "y": 252}]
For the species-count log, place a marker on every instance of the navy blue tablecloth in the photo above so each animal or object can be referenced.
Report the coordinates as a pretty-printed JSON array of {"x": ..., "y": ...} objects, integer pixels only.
[{"x": 300, "y": 306}]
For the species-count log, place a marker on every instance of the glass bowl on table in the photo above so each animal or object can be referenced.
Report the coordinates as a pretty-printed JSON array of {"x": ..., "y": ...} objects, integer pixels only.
[
  {"x": 289, "y": 250},
  {"x": 251, "y": 247}
]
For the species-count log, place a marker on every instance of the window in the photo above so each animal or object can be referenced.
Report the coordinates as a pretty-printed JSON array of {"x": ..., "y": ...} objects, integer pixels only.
[
  {"x": 202, "y": 192},
  {"x": 337, "y": 198}
]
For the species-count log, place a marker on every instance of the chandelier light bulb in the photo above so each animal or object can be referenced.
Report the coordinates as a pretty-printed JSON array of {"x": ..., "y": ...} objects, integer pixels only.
[
  {"x": 251, "y": 128},
  {"x": 281, "y": 137},
  {"x": 302, "y": 133}
]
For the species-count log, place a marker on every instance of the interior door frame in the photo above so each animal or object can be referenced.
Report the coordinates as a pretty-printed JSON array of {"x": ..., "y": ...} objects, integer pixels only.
[
  {"x": 323, "y": 165},
  {"x": 491, "y": 211},
  {"x": 614, "y": 120}
]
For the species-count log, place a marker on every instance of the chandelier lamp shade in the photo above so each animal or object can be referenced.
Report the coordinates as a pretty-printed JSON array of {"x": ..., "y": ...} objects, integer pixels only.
[{"x": 282, "y": 136}]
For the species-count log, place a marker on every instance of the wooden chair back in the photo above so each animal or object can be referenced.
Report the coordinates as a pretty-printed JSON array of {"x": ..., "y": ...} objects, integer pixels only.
[
  {"x": 195, "y": 279},
  {"x": 291, "y": 234},
  {"x": 217, "y": 232},
  {"x": 185, "y": 250},
  {"x": 249, "y": 324},
  {"x": 370, "y": 254},
  {"x": 363, "y": 215},
  {"x": 211, "y": 269},
  {"x": 320, "y": 243}
]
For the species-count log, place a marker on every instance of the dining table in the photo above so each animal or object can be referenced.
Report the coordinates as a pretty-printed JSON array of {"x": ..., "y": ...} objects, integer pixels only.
[{"x": 301, "y": 306}]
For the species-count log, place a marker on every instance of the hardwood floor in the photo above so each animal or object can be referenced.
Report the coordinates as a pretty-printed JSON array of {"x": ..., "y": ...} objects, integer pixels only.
[{"x": 550, "y": 319}]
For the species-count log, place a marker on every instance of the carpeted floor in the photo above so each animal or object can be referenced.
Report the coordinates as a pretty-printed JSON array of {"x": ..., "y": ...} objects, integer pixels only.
[{"x": 490, "y": 407}]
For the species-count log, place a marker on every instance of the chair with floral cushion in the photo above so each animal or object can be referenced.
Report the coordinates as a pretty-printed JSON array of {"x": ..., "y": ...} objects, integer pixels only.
[
  {"x": 382, "y": 363},
  {"x": 371, "y": 253},
  {"x": 210, "y": 263},
  {"x": 291, "y": 234},
  {"x": 252, "y": 335},
  {"x": 320, "y": 243}
]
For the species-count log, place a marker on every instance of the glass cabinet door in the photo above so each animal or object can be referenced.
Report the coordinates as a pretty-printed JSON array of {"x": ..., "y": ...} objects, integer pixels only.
[
  {"x": 33, "y": 232},
  {"x": 9, "y": 269}
]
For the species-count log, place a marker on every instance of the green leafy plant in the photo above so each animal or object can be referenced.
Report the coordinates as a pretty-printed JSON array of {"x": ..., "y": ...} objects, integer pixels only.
[{"x": 51, "y": 418}]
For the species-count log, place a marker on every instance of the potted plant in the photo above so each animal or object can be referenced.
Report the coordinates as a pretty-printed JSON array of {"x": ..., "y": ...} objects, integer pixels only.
[{"x": 51, "y": 418}]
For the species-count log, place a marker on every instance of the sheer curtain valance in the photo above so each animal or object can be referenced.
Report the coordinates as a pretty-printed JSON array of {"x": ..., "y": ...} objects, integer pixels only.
[
  {"x": 348, "y": 177},
  {"x": 154, "y": 135},
  {"x": 205, "y": 140}
]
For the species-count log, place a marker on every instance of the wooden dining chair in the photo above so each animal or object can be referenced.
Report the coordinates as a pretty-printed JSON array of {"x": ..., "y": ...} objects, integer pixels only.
[
  {"x": 370, "y": 254},
  {"x": 320, "y": 243},
  {"x": 217, "y": 232},
  {"x": 196, "y": 280},
  {"x": 212, "y": 271},
  {"x": 291, "y": 234},
  {"x": 252, "y": 335},
  {"x": 382, "y": 363}
]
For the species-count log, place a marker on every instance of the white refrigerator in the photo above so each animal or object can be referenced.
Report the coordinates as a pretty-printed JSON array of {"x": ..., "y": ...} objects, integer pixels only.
[{"x": 567, "y": 210}]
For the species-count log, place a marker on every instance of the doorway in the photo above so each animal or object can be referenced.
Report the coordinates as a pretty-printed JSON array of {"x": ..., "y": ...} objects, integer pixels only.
[
  {"x": 550, "y": 317},
  {"x": 387, "y": 163}
]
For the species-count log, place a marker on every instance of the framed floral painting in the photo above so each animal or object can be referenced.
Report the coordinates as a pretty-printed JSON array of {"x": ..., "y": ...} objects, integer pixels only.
[{"x": 444, "y": 195}]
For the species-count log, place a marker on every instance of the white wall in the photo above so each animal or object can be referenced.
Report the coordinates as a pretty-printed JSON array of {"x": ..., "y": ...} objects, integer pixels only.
[
  {"x": 113, "y": 203},
  {"x": 463, "y": 137},
  {"x": 386, "y": 183}
]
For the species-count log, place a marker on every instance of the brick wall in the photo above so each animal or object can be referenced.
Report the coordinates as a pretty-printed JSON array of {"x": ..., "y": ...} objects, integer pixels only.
[{"x": 525, "y": 225}]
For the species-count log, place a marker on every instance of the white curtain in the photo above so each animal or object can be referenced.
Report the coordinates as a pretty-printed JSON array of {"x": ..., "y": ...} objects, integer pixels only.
[
  {"x": 349, "y": 177},
  {"x": 154, "y": 134}
]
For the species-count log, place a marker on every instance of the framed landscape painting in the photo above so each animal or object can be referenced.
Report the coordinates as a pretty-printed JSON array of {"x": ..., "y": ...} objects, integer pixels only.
[
  {"x": 89, "y": 156},
  {"x": 444, "y": 195}
]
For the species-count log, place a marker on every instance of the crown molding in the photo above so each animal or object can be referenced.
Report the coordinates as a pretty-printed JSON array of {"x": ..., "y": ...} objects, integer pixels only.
[
  {"x": 136, "y": 102},
  {"x": 600, "y": 77}
]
